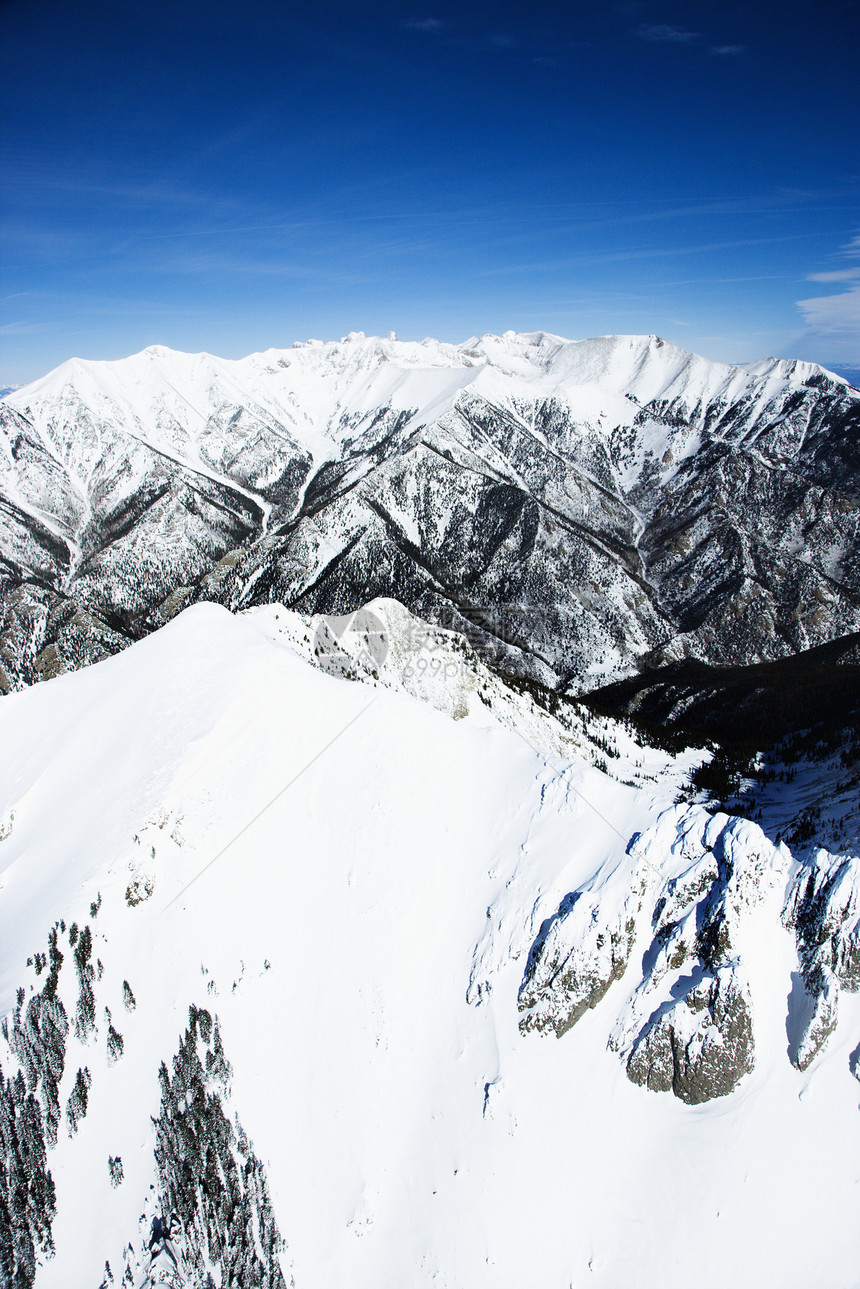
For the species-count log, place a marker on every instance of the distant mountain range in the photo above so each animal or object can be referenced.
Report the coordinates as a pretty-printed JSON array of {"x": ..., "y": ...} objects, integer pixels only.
[
  {"x": 580, "y": 510},
  {"x": 851, "y": 374}
]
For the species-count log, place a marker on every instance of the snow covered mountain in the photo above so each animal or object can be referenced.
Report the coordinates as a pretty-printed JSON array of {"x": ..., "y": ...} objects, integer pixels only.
[
  {"x": 384, "y": 983},
  {"x": 578, "y": 509},
  {"x": 399, "y": 927}
]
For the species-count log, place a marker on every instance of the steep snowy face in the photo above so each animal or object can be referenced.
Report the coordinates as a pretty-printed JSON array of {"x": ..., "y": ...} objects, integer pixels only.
[
  {"x": 577, "y": 507},
  {"x": 371, "y": 991}
]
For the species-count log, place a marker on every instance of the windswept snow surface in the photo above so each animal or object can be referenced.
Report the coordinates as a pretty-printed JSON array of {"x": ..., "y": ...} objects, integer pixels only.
[{"x": 412, "y": 1136}]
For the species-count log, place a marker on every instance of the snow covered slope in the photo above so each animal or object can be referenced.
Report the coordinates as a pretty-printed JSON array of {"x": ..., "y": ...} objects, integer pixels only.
[
  {"x": 577, "y": 507},
  {"x": 350, "y": 924}
]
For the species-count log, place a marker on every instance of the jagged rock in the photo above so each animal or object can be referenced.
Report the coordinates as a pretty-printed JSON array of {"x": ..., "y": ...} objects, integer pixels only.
[
  {"x": 813, "y": 1010},
  {"x": 822, "y": 907},
  {"x": 699, "y": 1045},
  {"x": 687, "y": 1027},
  {"x": 581, "y": 950}
]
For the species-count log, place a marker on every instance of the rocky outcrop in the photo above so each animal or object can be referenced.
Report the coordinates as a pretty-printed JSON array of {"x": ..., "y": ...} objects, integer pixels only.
[
  {"x": 823, "y": 909},
  {"x": 581, "y": 950},
  {"x": 701, "y": 1045},
  {"x": 688, "y": 1026},
  {"x": 813, "y": 1012},
  {"x": 682, "y": 895}
]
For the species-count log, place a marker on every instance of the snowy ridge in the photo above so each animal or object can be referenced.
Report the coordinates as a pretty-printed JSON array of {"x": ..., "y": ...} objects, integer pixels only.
[
  {"x": 360, "y": 372},
  {"x": 384, "y": 644}
]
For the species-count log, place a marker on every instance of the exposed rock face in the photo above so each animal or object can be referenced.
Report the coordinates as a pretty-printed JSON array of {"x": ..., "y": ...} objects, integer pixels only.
[
  {"x": 813, "y": 1011},
  {"x": 823, "y": 906},
  {"x": 687, "y": 1025},
  {"x": 581, "y": 951},
  {"x": 576, "y": 508},
  {"x": 823, "y": 910},
  {"x": 702, "y": 1045}
]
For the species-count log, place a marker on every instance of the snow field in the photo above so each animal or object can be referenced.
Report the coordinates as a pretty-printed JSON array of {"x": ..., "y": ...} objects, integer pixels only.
[{"x": 411, "y": 1137}]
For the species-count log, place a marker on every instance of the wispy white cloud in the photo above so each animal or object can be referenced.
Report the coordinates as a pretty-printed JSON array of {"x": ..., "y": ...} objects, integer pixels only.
[
  {"x": 21, "y": 328},
  {"x": 834, "y": 320},
  {"x": 837, "y": 314},
  {"x": 424, "y": 24},
  {"x": 663, "y": 33},
  {"x": 838, "y": 275},
  {"x": 638, "y": 253}
]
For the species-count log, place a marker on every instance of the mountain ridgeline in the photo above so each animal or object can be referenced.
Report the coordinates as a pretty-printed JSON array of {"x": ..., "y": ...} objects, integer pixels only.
[{"x": 581, "y": 511}]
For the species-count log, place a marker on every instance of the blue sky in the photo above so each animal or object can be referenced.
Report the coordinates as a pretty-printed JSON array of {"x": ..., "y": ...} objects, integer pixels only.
[{"x": 232, "y": 176}]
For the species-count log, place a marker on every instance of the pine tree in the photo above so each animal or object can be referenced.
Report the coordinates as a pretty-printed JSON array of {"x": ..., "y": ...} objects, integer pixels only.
[
  {"x": 85, "y": 1015},
  {"x": 76, "y": 1107},
  {"x": 208, "y": 1171}
]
